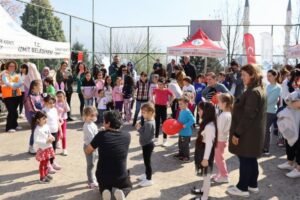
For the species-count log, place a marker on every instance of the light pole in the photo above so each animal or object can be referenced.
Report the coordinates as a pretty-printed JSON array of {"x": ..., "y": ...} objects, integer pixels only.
[{"x": 93, "y": 33}]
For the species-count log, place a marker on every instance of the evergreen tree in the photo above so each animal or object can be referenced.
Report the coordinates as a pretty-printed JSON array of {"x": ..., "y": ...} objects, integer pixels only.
[{"x": 42, "y": 23}]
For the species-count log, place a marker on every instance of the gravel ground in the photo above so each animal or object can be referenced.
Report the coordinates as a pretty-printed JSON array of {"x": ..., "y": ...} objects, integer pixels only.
[{"x": 173, "y": 180}]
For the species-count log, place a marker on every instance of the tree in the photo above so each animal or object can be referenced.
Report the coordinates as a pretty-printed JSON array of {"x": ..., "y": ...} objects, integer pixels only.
[
  {"x": 11, "y": 7},
  {"x": 231, "y": 34},
  {"x": 40, "y": 21}
]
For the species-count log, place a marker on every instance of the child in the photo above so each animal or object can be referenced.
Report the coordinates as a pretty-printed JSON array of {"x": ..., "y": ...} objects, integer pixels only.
[
  {"x": 153, "y": 85},
  {"x": 205, "y": 147},
  {"x": 146, "y": 132},
  {"x": 175, "y": 88},
  {"x": 161, "y": 97},
  {"x": 62, "y": 109},
  {"x": 187, "y": 119},
  {"x": 43, "y": 139},
  {"x": 108, "y": 88},
  {"x": 199, "y": 87},
  {"x": 48, "y": 82},
  {"x": 90, "y": 130},
  {"x": 99, "y": 85},
  {"x": 117, "y": 95},
  {"x": 54, "y": 126},
  {"x": 102, "y": 102},
  {"x": 127, "y": 96},
  {"x": 225, "y": 103},
  {"x": 87, "y": 89},
  {"x": 33, "y": 102},
  {"x": 24, "y": 77}
]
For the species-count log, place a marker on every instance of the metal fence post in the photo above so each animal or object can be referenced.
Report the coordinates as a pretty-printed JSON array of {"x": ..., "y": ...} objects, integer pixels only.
[
  {"x": 110, "y": 44},
  {"x": 70, "y": 37},
  {"x": 228, "y": 45},
  {"x": 148, "y": 46}
]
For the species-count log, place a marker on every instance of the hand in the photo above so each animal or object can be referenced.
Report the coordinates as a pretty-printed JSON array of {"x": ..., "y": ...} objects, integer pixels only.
[
  {"x": 138, "y": 126},
  {"x": 235, "y": 140},
  {"x": 204, "y": 163}
]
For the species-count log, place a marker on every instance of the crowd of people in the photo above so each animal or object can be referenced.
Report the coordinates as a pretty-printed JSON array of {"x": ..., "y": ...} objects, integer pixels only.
[{"x": 232, "y": 109}]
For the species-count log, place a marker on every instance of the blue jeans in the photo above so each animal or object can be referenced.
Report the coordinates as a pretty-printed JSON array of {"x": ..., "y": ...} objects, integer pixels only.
[
  {"x": 88, "y": 102},
  {"x": 138, "y": 106},
  {"x": 100, "y": 116}
]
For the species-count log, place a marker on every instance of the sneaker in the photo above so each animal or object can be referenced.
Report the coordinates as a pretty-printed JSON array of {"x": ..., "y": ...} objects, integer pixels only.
[
  {"x": 44, "y": 180},
  {"x": 21, "y": 116},
  {"x": 56, "y": 166},
  {"x": 119, "y": 194},
  {"x": 196, "y": 191},
  {"x": 155, "y": 140},
  {"x": 295, "y": 173},
  {"x": 253, "y": 190},
  {"x": 19, "y": 127},
  {"x": 51, "y": 170},
  {"x": 221, "y": 179},
  {"x": 70, "y": 119},
  {"x": 93, "y": 185},
  {"x": 237, "y": 192},
  {"x": 106, "y": 195},
  {"x": 165, "y": 143},
  {"x": 65, "y": 152},
  {"x": 142, "y": 177},
  {"x": 280, "y": 143},
  {"x": 266, "y": 153},
  {"x": 31, "y": 150},
  {"x": 184, "y": 159},
  {"x": 176, "y": 156},
  {"x": 11, "y": 130},
  {"x": 146, "y": 183},
  {"x": 285, "y": 165},
  {"x": 49, "y": 177}
]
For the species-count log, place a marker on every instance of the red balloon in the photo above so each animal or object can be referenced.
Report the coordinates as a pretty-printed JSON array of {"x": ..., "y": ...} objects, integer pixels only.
[{"x": 171, "y": 127}]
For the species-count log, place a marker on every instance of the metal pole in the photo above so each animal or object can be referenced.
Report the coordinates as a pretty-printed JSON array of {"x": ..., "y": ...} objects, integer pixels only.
[
  {"x": 228, "y": 45},
  {"x": 272, "y": 29},
  {"x": 93, "y": 34},
  {"x": 110, "y": 45},
  {"x": 148, "y": 41},
  {"x": 70, "y": 39}
]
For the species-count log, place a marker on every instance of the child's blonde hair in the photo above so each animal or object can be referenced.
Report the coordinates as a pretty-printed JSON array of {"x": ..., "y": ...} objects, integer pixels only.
[
  {"x": 148, "y": 107},
  {"x": 87, "y": 111},
  {"x": 226, "y": 98}
]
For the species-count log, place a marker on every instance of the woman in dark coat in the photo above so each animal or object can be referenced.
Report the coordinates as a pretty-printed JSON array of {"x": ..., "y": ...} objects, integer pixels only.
[{"x": 247, "y": 130}]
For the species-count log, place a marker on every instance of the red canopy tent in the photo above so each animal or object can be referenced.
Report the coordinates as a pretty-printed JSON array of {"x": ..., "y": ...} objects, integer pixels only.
[
  {"x": 198, "y": 45},
  {"x": 294, "y": 51}
]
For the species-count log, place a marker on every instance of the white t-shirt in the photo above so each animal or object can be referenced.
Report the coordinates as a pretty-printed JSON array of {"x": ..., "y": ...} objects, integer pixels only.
[
  {"x": 89, "y": 131},
  {"x": 208, "y": 138},
  {"x": 285, "y": 89},
  {"x": 41, "y": 135},
  {"x": 223, "y": 123},
  {"x": 174, "y": 87},
  {"x": 102, "y": 103},
  {"x": 52, "y": 119}
]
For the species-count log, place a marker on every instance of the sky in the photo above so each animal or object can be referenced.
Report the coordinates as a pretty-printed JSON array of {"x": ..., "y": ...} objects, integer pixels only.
[{"x": 166, "y": 12}]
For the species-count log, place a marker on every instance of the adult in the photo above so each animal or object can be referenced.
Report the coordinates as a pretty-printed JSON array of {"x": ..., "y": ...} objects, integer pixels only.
[
  {"x": 123, "y": 71},
  {"x": 175, "y": 88},
  {"x": 132, "y": 71},
  {"x": 114, "y": 68},
  {"x": 45, "y": 73},
  {"x": 273, "y": 96},
  {"x": 179, "y": 75},
  {"x": 103, "y": 70},
  {"x": 64, "y": 80},
  {"x": 170, "y": 68},
  {"x": 213, "y": 86},
  {"x": 142, "y": 95},
  {"x": 33, "y": 73},
  {"x": 159, "y": 70},
  {"x": 95, "y": 71},
  {"x": 113, "y": 146},
  {"x": 236, "y": 85},
  {"x": 157, "y": 65},
  {"x": 248, "y": 130},
  {"x": 189, "y": 69},
  {"x": 11, "y": 94},
  {"x": 79, "y": 77}
]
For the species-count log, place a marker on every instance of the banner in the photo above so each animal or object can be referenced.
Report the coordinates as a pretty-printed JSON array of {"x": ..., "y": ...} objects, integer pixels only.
[
  {"x": 250, "y": 48},
  {"x": 17, "y": 43},
  {"x": 266, "y": 50}
]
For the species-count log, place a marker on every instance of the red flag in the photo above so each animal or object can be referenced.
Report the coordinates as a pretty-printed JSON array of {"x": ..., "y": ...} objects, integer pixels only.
[
  {"x": 80, "y": 56},
  {"x": 250, "y": 48}
]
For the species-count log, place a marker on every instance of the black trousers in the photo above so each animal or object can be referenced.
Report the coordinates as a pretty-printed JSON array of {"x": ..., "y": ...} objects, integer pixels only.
[
  {"x": 160, "y": 117},
  {"x": 69, "y": 96},
  {"x": 293, "y": 152},
  {"x": 147, "y": 152},
  {"x": 248, "y": 173},
  {"x": 184, "y": 146},
  {"x": 81, "y": 99},
  {"x": 54, "y": 145},
  {"x": 12, "y": 104},
  {"x": 21, "y": 104},
  {"x": 174, "y": 108}
]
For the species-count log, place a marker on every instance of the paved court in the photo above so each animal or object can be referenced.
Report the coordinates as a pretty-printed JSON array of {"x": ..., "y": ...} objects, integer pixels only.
[{"x": 173, "y": 180}]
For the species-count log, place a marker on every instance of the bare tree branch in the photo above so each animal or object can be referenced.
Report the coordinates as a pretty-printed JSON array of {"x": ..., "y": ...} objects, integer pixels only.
[{"x": 12, "y": 8}]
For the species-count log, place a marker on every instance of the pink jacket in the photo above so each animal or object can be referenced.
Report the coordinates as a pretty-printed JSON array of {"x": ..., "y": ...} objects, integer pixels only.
[{"x": 117, "y": 94}]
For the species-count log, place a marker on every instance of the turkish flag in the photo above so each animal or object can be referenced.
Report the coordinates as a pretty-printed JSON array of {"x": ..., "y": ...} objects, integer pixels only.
[
  {"x": 80, "y": 56},
  {"x": 250, "y": 48}
]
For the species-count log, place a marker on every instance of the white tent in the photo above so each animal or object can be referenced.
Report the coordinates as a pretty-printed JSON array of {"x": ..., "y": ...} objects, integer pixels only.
[
  {"x": 17, "y": 43},
  {"x": 294, "y": 51}
]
